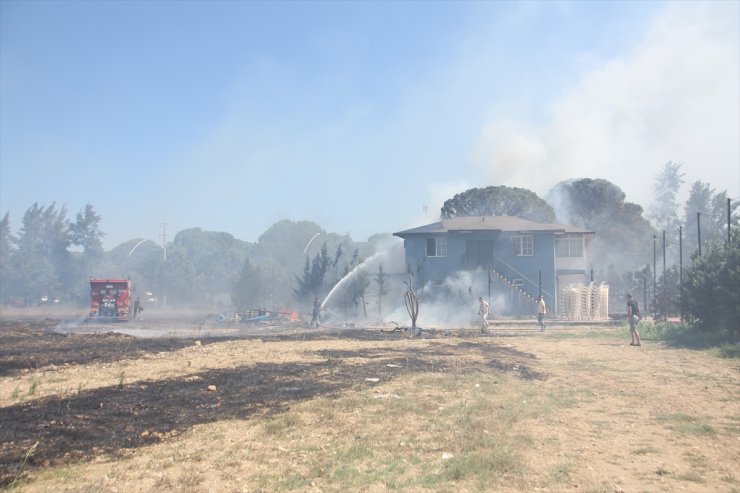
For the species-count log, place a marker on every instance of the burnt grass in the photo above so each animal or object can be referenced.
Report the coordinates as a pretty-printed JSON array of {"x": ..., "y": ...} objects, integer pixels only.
[{"x": 111, "y": 420}]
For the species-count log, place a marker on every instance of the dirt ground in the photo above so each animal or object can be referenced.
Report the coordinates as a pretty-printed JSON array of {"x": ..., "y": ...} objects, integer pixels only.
[{"x": 362, "y": 409}]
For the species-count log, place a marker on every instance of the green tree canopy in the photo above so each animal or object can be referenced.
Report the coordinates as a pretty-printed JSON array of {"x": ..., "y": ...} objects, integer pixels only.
[
  {"x": 312, "y": 283},
  {"x": 285, "y": 242},
  {"x": 712, "y": 284},
  {"x": 499, "y": 201},
  {"x": 85, "y": 232},
  {"x": 248, "y": 289},
  {"x": 712, "y": 207},
  {"x": 7, "y": 270},
  {"x": 623, "y": 235},
  {"x": 201, "y": 265}
]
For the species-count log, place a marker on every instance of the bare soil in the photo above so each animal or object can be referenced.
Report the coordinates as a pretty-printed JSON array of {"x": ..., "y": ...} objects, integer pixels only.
[{"x": 370, "y": 409}]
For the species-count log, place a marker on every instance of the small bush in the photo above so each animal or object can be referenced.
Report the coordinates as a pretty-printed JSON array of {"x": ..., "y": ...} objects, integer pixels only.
[
  {"x": 689, "y": 336},
  {"x": 711, "y": 289}
]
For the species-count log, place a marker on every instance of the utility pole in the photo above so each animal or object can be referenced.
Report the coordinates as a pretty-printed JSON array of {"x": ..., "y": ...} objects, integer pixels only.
[
  {"x": 164, "y": 240},
  {"x": 665, "y": 315},
  {"x": 729, "y": 221},
  {"x": 698, "y": 229},
  {"x": 164, "y": 259},
  {"x": 655, "y": 278},
  {"x": 540, "y": 283},
  {"x": 664, "y": 255},
  {"x": 489, "y": 285},
  {"x": 680, "y": 270},
  {"x": 645, "y": 288}
]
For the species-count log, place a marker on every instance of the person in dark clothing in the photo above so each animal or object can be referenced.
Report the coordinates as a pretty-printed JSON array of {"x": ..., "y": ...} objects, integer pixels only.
[
  {"x": 137, "y": 307},
  {"x": 633, "y": 315},
  {"x": 315, "y": 319}
]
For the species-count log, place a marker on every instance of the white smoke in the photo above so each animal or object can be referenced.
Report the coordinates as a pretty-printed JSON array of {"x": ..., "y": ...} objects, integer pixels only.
[
  {"x": 673, "y": 96},
  {"x": 452, "y": 303}
]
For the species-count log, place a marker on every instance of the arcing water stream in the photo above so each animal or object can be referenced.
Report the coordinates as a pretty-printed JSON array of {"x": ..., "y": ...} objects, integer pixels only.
[{"x": 351, "y": 274}]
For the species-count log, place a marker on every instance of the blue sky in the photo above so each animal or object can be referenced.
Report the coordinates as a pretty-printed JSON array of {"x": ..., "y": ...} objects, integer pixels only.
[{"x": 233, "y": 115}]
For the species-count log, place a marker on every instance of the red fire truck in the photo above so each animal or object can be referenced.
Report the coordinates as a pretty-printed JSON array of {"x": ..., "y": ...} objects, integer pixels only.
[{"x": 110, "y": 299}]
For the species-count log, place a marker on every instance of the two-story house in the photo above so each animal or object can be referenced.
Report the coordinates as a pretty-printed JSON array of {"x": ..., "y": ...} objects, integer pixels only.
[{"x": 518, "y": 258}]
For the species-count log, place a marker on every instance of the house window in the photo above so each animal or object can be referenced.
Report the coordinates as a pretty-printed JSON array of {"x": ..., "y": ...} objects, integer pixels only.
[
  {"x": 523, "y": 245},
  {"x": 569, "y": 247},
  {"x": 437, "y": 247}
]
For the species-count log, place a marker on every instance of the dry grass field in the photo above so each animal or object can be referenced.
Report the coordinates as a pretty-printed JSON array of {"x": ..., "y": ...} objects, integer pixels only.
[{"x": 337, "y": 410}]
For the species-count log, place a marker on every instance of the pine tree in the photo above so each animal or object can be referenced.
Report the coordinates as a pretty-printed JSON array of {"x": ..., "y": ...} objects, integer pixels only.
[
  {"x": 85, "y": 232},
  {"x": 382, "y": 288},
  {"x": 7, "y": 271},
  {"x": 712, "y": 284},
  {"x": 664, "y": 211}
]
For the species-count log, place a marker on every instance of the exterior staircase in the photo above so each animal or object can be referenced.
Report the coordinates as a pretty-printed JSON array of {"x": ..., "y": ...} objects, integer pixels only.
[
  {"x": 512, "y": 285},
  {"x": 529, "y": 288}
]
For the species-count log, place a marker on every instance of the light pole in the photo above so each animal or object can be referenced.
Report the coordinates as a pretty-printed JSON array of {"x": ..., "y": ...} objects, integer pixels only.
[
  {"x": 655, "y": 277},
  {"x": 645, "y": 273},
  {"x": 698, "y": 230},
  {"x": 680, "y": 270},
  {"x": 665, "y": 300}
]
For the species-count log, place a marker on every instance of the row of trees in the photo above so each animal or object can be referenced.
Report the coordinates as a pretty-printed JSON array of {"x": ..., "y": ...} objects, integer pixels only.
[
  {"x": 53, "y": 257},
  {"x": 39, "y": 263},
  {"x": 705, "y": 209}
]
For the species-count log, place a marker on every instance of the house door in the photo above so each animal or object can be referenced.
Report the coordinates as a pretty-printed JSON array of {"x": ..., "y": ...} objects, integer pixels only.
[{"x": 479, "y": 254}]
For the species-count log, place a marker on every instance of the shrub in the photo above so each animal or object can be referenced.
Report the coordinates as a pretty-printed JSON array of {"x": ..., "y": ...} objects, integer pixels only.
[{"x": 712, "y": 289}]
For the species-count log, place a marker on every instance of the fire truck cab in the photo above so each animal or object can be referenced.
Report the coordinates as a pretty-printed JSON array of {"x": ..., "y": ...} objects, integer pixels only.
[{"x": 110, "y": 299}]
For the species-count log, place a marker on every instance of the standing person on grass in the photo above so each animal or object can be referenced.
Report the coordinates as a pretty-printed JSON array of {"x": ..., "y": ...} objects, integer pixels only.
[
  {"x": 541, "y": 311},
  {"x": 315, "y": 316},
  {"x": 484, "y": 311},
  {"x": 633, "y": 315}
]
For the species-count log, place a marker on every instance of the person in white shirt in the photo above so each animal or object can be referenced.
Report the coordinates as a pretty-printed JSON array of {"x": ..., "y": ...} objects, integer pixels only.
[
  {"x": 541, "y": 311},
  {"x": 484, "y": 311}
]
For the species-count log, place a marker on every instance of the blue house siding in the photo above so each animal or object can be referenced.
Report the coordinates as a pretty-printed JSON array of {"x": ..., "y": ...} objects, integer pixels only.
[
  {"x": 485, "y": 247},
  {"x": 529, "y": 267}
]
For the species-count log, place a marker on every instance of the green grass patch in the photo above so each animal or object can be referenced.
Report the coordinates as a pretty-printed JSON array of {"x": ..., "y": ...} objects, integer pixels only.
[
  {"x": 587, "y": 364},
  {"x": 691, "y": 476},
  {"x": 281, "y": 424},
  {"x": 355, "y": 452},
  {"x": 690, "y": 337},
  {"x": 562, "y": 473},
  {"x": 685, "y": 424},
  {"x": 481, "y": 466},
  {"x": 696, "y": 460},
  {"x": 190, "y": 482},
  {"x": 644, "y": 451},
  {"x": 658, "y": 331},
  {"x": 286, "y": 481},
  {"x": 726, "y": 350},
  {"x": 611, "y": 333}
]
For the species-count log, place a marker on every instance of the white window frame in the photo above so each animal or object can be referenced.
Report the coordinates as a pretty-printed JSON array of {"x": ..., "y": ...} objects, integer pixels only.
[
  {"x": 523, "y": 245},
  {"x": 571, "y": 249},
  {"x": 440, "y": 246}
]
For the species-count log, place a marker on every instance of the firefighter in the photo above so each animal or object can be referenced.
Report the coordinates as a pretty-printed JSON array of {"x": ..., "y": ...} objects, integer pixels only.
[
  {"x": 316, "y": 313},
  {"x": 137, "y": 307}
]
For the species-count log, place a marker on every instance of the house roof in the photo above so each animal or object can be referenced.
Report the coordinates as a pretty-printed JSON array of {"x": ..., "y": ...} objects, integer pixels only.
[{"x": 509, "y": 224}]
